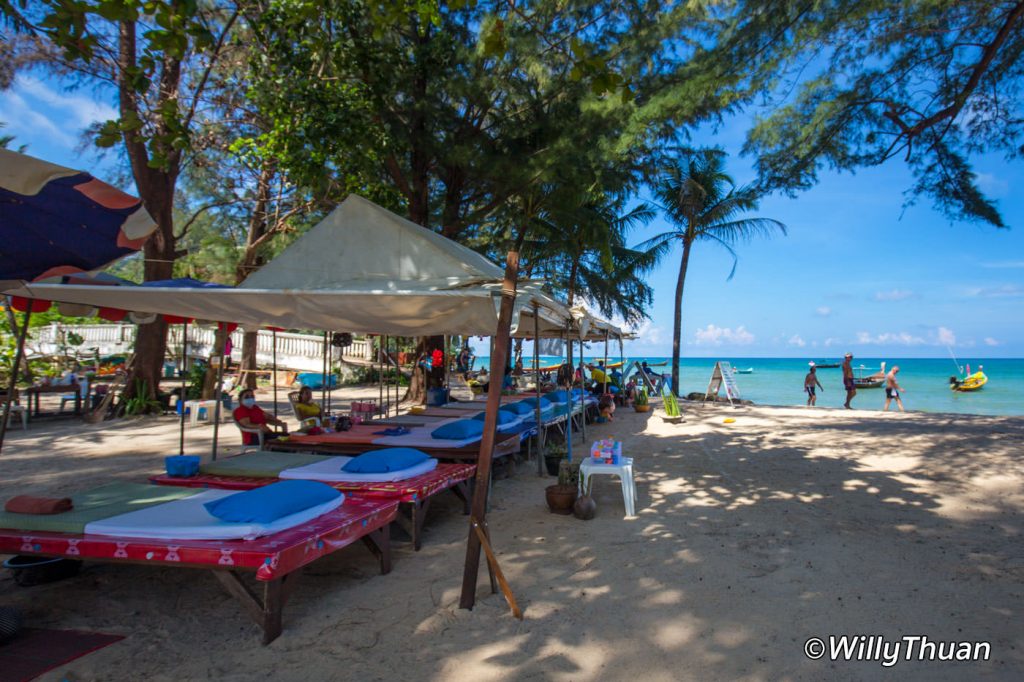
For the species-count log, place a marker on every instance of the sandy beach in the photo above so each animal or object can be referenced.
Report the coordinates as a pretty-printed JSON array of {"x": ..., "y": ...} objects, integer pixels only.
[{"x": 750, "y": 538}]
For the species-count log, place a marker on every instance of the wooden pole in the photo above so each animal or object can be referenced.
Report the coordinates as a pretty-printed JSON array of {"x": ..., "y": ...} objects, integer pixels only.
[
  {"x": 273, "y": 373},
  {"x": 536, "y": 381},
  {"x": 569, "y": 419},
  {"x": 323, "y": 388},
  {"x": 583, "y": 399},
  {"x": 605, "y": 363},
  {"x": 483, "y": 464},
  {"x": 184, "y": 386},
  {"x": 380, "y": 372},
  {"x": 12, "y": 385},
  {"x": 447, "y": 366},
  {"x": 220, "y": 387}
]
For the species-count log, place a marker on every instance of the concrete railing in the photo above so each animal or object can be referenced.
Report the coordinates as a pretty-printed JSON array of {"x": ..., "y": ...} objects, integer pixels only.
[{"x": 294, "y": 351}]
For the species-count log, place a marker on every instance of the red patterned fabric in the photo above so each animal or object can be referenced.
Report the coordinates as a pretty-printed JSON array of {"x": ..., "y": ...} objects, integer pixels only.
[
  {"x": 410, "y": 490},
  {"x": 271, "y": 556}
]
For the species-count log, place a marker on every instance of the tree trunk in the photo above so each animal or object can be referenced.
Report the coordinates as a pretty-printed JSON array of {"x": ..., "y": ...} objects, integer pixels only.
[
  {"x": 210, "y": 378},
  {"x": 249, "y": 341},
  {"x": 677, "y": 323},
  {"x": 421, "y": 379}
]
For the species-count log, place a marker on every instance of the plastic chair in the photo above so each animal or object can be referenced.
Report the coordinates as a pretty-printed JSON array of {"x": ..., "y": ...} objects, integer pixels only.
[
  {"x": 18, "y": 411},
  {"x": 304, "y": 422},
  {"x": 246, "y": 447},
  {"x": 83, "y": 391}
]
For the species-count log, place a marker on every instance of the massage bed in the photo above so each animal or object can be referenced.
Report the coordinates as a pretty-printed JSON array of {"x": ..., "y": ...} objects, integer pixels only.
[
  {"x": 132, "y": 523},
  {"x": 252, "y": 470}
]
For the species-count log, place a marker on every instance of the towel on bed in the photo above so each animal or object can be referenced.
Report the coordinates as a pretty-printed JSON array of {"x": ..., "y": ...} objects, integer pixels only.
[{"x": 27, "y": 504}]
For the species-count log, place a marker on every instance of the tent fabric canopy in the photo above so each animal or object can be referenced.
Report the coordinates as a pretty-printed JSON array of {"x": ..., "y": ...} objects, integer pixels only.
[
  {"x": 56, "y": 220},
  {"x": 362, "y": 269}
]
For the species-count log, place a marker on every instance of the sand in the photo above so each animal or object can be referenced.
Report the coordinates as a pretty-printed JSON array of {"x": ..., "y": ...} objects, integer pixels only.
[{"x": 750, "y": 538}]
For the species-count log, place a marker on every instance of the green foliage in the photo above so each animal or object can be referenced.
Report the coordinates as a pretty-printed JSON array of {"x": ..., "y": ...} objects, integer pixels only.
[
  {"x": 641, "y": 398},
  {"x": 569, "y": 472},
  {"x": 140, "y": 402},
  {"x": 363, "y": 375},
  {"x": 853, "y": 83}
]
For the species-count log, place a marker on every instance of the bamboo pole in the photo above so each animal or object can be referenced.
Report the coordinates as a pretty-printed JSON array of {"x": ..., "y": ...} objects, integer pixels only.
[
  {"x": 15, "y": 368},
  {"x": 483, "y": 464}
]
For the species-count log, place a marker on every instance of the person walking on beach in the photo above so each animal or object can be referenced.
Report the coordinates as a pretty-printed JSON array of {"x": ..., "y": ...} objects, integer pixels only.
[
  {"x": 892, "y": 389},
  {"x": 851, "y": 388},
  {"x": 810, "y": 381}
]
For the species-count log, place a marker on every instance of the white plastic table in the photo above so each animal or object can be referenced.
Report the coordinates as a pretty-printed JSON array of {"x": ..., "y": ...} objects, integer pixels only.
[{"x": 624, "y": 470}]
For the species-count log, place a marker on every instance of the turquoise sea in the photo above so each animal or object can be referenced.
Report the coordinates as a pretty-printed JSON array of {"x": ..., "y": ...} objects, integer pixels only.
[{"x": 779, "y": 381}]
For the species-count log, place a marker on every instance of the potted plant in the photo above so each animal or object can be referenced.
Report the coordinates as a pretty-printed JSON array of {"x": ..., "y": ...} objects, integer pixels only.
[
  {"x": 641, "y": 403},
  {"x": 554, "y": 453},
  {"x": 561, "y": 496}
]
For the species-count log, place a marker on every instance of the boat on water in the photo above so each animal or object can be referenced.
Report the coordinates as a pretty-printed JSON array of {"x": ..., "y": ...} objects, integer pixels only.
[
  {"x": 826, "y": 365},
  {"x": 971, "y": 382},
  {"x": 874, "y": 380},
  {"x": 737, "y": 370}
]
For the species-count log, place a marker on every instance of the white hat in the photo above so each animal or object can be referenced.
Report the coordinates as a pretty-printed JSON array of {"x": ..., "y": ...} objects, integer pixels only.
[{"x": 811, "y": 363}]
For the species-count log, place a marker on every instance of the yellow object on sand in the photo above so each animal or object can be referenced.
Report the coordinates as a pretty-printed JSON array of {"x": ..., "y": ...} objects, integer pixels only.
[
  {"x": 730, "y": 420},
  {"x": 417, "y": 409}
]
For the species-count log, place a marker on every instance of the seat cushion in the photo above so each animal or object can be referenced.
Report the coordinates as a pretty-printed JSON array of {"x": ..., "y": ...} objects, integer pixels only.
[
  {"x": 558, "y": 396},
  {"x": 271, "y": 502},
  {"x": 518, "y": 408},
  {"x": 382, "y": 461},
  {"x": 459, "y": 430}
]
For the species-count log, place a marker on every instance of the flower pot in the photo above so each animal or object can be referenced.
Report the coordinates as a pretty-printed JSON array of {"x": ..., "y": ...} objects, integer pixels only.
[
  {"x": 560, "y": 498},
  {"x": 584, "y": 508},
  {"x": 642, "y": 408}
]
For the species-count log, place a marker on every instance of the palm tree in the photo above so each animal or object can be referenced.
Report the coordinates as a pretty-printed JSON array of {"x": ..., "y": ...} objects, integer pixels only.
[{"x": 703, "y": 204}]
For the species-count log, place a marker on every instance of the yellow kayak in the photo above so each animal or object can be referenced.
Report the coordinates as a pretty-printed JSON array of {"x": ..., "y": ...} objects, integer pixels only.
[{"x": 971, "y": 383}]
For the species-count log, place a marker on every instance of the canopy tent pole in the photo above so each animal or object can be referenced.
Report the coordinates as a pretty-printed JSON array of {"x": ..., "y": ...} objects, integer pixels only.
[
  {"x": 273, "y": 372},
  {"x": 569, "y": 379},
  {"x": 483, "y": 464},
  {"x": 583, "y": 399},
  {"x": 323, "y": 385},
  {"x": 447, "y": 366},
  {"x": 536, "y": 382},
  {"x": 605, "y": 363},
  {"x": 184, "y": 386},
  {"x": 330, "y": 370},
  {"x": 220, "y": 387},
  {"x": 12, "y": 385},
  {"x": 380, "y": 373}
]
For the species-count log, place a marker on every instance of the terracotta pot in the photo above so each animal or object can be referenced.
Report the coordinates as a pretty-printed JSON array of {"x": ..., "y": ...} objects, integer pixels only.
[
  {"x": 642, "y": 408},
  {"x": 560, "y": 498},
  {"x": 584, "y": 508}
]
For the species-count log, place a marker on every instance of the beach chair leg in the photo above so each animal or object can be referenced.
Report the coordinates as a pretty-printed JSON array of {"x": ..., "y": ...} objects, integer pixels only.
[
  {"x": 379, "y": 544},
  {"x": 413, "y": 523},
  {"x": 464, "y": 491},
  {"x": 266, "y": 612}
]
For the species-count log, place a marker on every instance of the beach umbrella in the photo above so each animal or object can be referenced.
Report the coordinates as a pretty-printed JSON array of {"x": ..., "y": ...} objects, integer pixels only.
[{"x": 54, "y": 221}]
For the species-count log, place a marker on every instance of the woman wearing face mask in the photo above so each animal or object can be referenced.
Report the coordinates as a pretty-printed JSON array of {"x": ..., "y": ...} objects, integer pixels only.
[{"x": 249, "y": 415}]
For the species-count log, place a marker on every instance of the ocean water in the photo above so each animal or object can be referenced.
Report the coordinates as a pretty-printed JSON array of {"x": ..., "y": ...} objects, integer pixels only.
[{"x": 780, "y": 381}]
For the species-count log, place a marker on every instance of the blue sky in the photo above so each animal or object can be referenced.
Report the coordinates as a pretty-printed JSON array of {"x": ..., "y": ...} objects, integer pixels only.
[{"x": 856, "y": 272}]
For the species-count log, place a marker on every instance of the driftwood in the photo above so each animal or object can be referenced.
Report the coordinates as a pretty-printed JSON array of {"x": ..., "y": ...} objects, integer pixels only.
[{"x": 103, "y": 410}]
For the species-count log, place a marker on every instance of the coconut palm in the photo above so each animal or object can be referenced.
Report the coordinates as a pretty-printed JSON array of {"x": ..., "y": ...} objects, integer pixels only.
[{"x": 703, "y": 204}]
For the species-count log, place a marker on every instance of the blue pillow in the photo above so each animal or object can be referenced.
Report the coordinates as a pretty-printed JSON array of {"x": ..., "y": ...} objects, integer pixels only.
[
  {"x": 271, "y": 502},
  {"x": 558, "y": 396},
  {"x": 504, "y": 417},
  {"x": 532, "y": 401},
  {"x": 518, "y": 408},
  {"x": 388, "y": 459},
  {"x": 459, "y": 430}
]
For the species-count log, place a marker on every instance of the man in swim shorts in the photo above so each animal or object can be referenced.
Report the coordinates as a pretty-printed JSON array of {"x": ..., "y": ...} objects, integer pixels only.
[
  {"x": 892, "y": 389},
  {"x": 851, "y": 388},
  {"x": 809, "y": 385}
]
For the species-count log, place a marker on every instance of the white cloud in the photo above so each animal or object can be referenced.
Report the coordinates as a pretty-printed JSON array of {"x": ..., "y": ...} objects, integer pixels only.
[
  {"x": 1004, "y": 291},
  {"x": 795, "y": 340},
  {"x": 990, "y": 184},
  {"x": 1004, "y": 264},
  {"x": 989, "y": 341},
  {"x": 84, "y": 110},
  {"x": 648, "y": 334},
  {"x": 832, "y": 341},
  {"x": 896, "y": 339},
  {"x": 717, "y": 336},
  {"x": 894, "y": 295},
  {"x": 946, "y": 337},
  {"x": 823, "y": 311},
  {"x": 22, "y": 121}
]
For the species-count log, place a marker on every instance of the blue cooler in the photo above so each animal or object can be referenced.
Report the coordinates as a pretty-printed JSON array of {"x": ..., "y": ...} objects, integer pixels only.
[{"x": 182, "y": 466}]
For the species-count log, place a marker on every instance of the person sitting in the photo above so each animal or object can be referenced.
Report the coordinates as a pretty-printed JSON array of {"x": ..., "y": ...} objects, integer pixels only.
[
  {"x": 249, "y": 415},
  {"x": 305, "y": 407},
  {"x": 598, "y": 373},
  {"x": 606, "y": 407},
  {"x": 616, "y": 377},
  {"x": 508, "y": 383}
]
